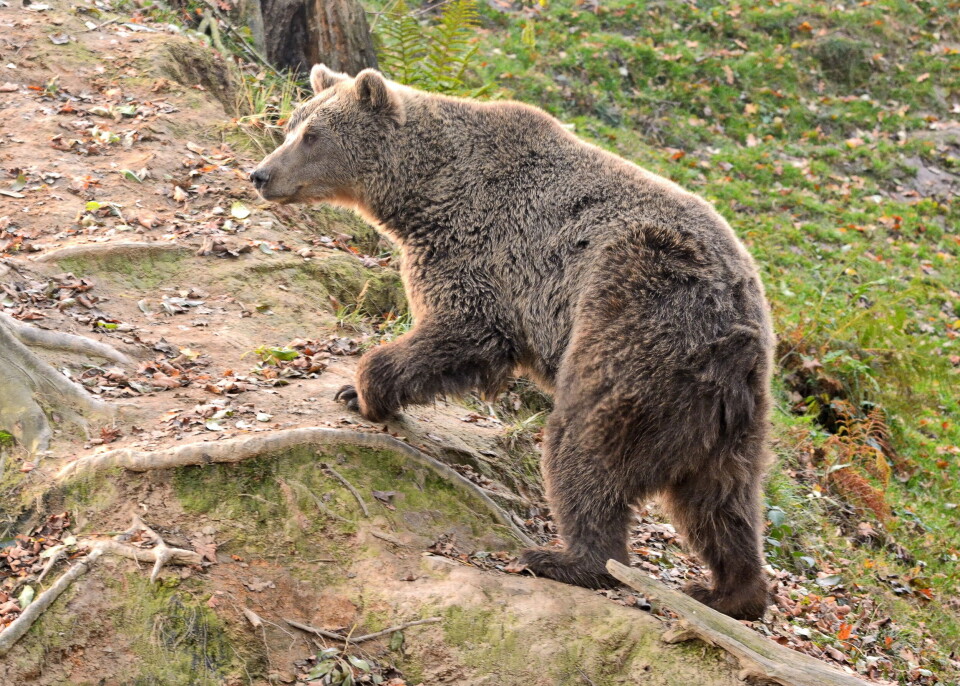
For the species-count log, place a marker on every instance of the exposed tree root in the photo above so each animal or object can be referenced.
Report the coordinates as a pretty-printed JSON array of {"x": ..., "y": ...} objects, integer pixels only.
[
  {"x": 31, "y": 387},
  {"x": 118, "y": 248},
  {"x": 160, "y": 554},
  {"x": 247, "y": 447},
  {"x": 760, "y": 658},
  {"x": 67, "y": 342},
  {"x": 359, "y": 639}
]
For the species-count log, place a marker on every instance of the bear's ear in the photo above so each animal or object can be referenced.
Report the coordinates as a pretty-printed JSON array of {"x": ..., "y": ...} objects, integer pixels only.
[
  {"x": 373, "y": 90},
  {"x": 321, "y": 78}
]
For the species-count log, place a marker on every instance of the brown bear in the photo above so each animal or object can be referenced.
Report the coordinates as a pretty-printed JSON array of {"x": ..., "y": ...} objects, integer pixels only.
[{"x": 525, "y": 249}]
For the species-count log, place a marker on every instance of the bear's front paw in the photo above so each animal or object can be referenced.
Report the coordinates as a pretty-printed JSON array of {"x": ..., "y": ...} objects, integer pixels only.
[
  {"x": 348, "y": 396},
  {"x": 562, "y": 566},
  {"x": 748, "y": 602}
]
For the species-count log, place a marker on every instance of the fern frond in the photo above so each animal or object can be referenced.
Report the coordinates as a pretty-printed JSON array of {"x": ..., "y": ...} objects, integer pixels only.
[
  {"x": 403, "y": 45},
  {"x": 452, "y": 46},
  {"x": 433, "y": 57}
]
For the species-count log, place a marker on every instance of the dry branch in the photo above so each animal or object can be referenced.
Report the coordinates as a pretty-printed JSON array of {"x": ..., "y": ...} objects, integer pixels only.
[
  {"x": 359, "y": 639},
  {"x": 760, "y": 658},
  {"x": 319, "y": 503},
  {"x": 18, "y": 627},
  {"x": 258, "y": 445},
  {"x": 383, "y": 536}
]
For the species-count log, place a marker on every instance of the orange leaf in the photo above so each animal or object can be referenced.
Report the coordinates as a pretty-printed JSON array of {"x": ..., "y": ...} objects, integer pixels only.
[{"x": 845, "y": 631}]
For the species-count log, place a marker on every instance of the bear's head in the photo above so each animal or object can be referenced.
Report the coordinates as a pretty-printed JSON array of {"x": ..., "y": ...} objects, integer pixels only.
[{"x": 333, "y": 140}]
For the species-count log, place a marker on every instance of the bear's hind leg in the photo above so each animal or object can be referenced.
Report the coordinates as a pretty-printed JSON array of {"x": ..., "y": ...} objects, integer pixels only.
[
  {"x": 720, "y": 518},
  {"x": 590, "y": 508}
]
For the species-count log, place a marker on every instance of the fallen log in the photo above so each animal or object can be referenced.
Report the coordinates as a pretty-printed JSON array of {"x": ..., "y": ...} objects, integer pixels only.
[{"x": 760, "y": 658}]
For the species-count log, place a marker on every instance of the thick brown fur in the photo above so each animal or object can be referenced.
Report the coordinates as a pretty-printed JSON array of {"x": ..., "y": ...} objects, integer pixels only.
[{"x": 527, "y": 249}]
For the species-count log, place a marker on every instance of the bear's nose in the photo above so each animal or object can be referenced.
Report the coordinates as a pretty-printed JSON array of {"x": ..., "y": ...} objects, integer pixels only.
[{"x": 259, "y": 177}]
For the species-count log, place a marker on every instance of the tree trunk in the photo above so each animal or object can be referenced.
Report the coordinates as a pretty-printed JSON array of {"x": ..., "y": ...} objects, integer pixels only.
[{"x": 300, "y": 33}]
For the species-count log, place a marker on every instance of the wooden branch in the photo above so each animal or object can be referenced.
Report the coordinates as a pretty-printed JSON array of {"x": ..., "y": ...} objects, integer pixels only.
[
  {"x": 383, "y": 536},
  {"x": 319, "y": 503},
  {"x": 272, "y": 443},
  {"x": 760, "y": 658},
  {"x": 359, "y": 639}
]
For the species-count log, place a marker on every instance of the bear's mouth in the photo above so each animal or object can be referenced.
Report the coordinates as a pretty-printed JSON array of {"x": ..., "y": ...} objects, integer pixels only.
[{"x": 270, "y": 195}]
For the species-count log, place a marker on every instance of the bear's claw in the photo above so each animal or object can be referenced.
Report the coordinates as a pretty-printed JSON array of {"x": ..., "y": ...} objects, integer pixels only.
[
  {"x": 348, "y": 395},
  {"x": 560, "y": 565},
  {"x": 749, "y": 603}
]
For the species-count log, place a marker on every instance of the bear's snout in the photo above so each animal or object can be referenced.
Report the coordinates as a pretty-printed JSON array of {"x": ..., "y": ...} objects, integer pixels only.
[{"x": 259, "y": 177}]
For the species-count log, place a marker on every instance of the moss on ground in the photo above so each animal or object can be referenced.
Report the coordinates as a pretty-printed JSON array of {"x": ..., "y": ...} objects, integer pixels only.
[
  {"x": 189, "y": 62},
  {"x": 177, "y": 639},
  {"x": 137, "y": 269},
  {"x": 605, "y": 650},
  {"x": 271, "y": 499}
]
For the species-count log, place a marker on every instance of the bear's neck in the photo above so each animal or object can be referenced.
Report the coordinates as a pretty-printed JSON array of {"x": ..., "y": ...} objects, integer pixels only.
[{"x": 420, "y": 171}]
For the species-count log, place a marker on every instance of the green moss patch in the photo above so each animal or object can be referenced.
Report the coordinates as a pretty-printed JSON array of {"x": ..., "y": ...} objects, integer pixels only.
[
  {"x": 142, "y": 269},
  {"x": 176, "y": 637},
  {"x": 272, "y": 500}
]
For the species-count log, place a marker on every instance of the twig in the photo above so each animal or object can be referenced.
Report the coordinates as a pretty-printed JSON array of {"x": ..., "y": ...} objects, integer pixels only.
[
  {"x": 276, "y": 443},
  {"x": 319, "y": 503},
  {"x": 252, "y": 617},
  {"x": 760, "y": 658},
  {"x": 388, "y": 538},
  {"x": 356, "y": 494},
  {"x": 359, "y": 639},
  {"x": 586, "y": 678},
  {"x": 50, "y": 563}
]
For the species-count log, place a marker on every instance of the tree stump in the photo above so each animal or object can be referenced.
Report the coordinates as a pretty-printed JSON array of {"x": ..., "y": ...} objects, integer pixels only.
[{"x": 300, "y": 33}]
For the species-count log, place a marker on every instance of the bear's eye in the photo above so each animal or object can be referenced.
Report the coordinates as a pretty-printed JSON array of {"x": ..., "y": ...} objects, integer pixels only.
[{"x": 309, "y": 137}]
